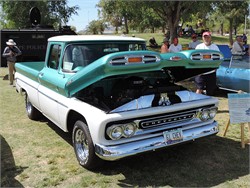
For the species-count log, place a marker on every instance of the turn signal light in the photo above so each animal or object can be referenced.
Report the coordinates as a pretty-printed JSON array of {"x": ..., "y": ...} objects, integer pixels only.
[
  {"x": 134, "y": 59},
  {"x": 206, "y": 56},
  {"x": 175, "y": 58}
]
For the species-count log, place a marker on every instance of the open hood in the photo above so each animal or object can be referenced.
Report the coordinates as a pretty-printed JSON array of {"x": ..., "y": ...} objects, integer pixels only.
[{"x": 180, "y": 66}]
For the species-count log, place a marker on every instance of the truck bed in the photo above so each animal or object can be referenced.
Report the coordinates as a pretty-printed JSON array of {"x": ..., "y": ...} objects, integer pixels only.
[{"x": 30, "y": 69}]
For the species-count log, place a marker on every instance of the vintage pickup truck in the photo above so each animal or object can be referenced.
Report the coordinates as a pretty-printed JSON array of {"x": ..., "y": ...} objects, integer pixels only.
[{"x": 116, "y": 98}]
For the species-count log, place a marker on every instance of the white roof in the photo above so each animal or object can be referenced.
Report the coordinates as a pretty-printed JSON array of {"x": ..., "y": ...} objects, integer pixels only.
[{"x": 68, "y": 38}]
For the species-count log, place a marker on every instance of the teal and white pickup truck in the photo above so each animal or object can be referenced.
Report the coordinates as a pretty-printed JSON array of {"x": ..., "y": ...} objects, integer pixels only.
[{"x": 116, "y": 98}]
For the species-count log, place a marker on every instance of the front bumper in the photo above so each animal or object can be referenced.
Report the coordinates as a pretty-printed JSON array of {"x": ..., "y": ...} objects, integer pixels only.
[{"x": 111, "y": 153}]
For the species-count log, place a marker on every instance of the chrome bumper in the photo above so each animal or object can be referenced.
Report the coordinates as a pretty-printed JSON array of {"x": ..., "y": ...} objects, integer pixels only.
[{"x": 111, "y": 153}]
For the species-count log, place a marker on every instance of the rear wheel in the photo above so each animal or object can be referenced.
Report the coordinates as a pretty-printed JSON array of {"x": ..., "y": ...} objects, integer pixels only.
[
  {"x": 31, "y": 111},
  {"x": 83, "y": 146}
]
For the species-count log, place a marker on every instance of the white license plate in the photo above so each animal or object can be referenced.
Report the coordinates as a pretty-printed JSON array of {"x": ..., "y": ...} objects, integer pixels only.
[{"x": 173, "y": 136}]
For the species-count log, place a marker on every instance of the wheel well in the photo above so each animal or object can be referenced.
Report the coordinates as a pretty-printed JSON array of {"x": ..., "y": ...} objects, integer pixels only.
[
  {"x": 73, "y": 116},
  {"x": 22, "y": 91}
]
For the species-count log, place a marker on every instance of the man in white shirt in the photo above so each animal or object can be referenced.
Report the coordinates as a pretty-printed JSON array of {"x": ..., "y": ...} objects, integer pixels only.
[
  {"x": 175, "y": 47},
  {"x": 238, "y": 46},
  {"x": 206, "y": 81},
  {"x": 207, "y": 42}
]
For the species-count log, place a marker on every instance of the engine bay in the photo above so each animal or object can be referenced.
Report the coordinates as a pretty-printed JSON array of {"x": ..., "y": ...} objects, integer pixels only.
[{"x": 113, "y": 92}]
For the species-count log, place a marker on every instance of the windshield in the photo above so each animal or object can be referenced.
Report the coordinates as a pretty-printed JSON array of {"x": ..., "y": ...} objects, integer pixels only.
[{"x": 80, "y": 55}]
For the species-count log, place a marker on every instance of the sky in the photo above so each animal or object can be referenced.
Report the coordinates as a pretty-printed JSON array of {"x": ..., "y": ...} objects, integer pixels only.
[{"x": 87, "y": 12}]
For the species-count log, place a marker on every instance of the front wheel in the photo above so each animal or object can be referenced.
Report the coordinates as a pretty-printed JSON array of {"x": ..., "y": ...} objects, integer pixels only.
[{"x": 83, "y": 146}]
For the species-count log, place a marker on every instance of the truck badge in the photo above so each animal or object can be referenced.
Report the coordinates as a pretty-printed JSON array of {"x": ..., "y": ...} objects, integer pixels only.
[{"x": 164, "y": 100}]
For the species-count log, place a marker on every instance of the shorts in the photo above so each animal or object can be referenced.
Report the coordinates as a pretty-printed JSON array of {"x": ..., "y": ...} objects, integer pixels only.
[
  {"x": 206, "y": 82},
  {"x": 200, "y": 82}
]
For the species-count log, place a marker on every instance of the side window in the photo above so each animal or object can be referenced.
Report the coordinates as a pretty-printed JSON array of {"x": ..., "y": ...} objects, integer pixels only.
[
  {"x": 55, "y": 53},
  {"x": 67, "y": 59},
  {"x": 136, "y": 47}
]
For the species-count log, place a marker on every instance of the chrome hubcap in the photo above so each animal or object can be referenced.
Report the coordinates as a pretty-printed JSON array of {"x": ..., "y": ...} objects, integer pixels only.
[
  {"x": 81, "y": 145},
  {"x": 28, "y": 106}
]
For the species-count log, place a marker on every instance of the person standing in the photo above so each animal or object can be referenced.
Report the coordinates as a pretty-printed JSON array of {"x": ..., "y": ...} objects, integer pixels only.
[
  {"x": 206, "y": 81},
  {"x": 194, "y": 43},
  {"x": 10, "y": 53},
  {"x": 175, "y": 46}
]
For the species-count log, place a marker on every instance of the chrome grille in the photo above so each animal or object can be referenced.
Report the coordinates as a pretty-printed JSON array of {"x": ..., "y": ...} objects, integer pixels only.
[
  {"x": 167, "y": 119},
  {"x": 150, "y": 59},
  {"x": 118, "y": 61},
  {"x": 199, "y": 56},
  {"x": 123, "y": 60}
]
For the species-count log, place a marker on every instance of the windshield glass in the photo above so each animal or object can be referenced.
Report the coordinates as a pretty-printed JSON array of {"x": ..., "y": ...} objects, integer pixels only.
[{"x": 80, "y": 55}]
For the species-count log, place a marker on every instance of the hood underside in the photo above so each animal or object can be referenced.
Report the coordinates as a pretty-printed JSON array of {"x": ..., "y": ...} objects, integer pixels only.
[{"x": 178, "y": 66}]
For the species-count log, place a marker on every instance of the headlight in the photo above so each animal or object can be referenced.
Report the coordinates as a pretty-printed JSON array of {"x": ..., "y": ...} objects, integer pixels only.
[
  {"x": 129, "y": 130},
  {"x": 207, "y": 114},
  {"x": 212, "y": 112},
  {"x": 115, "y": 132},
  {"x": 204, "y": 115}
]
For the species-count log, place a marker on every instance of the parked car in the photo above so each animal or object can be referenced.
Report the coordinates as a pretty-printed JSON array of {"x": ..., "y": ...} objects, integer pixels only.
[{"x": 234, "y": 72}]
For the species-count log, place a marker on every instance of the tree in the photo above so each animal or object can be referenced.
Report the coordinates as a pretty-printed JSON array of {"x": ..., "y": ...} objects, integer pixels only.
[
  {"x": 61, "y": 11},
  {"x": 16, "y": 13},
  {"x": 109, "y": 13},
  {"x": 150, "y": 15},
  {"x": 172, "y": 12},
  {"x": 2, "y": 20},
  {"x": 234, "y": 12},
  {"x": 217, "y": 19},
  {"x": 145, "y": 18},
  {"x": 119, "y": 12},
  {"x": 96, "y": 27}
]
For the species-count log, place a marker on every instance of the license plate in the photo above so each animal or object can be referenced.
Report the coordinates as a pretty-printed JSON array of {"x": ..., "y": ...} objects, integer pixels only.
[{"x": 173, "y": 136}]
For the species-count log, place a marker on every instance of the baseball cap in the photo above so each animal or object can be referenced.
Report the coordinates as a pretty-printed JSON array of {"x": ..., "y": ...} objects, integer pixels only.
[
  {"x": 165, "y": 40},
  {"x": 194, "y": 35},
  {"x": 206, "y": 33}
]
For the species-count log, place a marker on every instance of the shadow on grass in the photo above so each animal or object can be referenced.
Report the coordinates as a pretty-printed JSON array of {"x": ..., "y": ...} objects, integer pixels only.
[
  {"x": 204, "y": 163},
  {"x": 8, "y": 168},
  {"x": 65, "y": 135}
]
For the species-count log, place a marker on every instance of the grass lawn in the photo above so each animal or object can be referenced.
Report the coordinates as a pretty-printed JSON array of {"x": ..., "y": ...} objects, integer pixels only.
[{"x": 38, "y": 154}]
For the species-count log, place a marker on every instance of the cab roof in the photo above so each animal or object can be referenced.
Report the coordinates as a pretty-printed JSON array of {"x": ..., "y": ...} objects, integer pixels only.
[{"x": 73, "y": 38}]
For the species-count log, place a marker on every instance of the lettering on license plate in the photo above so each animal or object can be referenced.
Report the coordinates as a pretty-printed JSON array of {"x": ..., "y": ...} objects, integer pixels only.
[{"x": 173, "y": 136}]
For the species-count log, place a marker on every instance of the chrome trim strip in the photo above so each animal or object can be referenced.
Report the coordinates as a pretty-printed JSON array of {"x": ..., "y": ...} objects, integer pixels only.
[
  {"x": 53, "y": 99},
  {"x": 116, "y": 152},
  {"x": 26, "y": 83}
]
